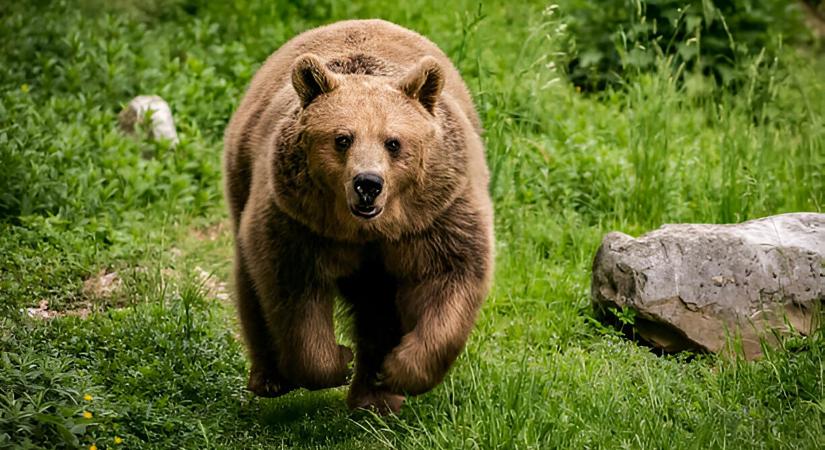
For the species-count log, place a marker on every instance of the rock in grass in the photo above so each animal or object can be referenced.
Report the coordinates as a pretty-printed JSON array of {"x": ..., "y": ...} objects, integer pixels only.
[
  {"x": 692, "y": 286},
  {"x": 162, "y": 125}
]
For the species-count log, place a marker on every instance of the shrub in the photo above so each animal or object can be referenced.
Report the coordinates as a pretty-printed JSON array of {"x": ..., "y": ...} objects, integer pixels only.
[{"x": 709, "y": 37}]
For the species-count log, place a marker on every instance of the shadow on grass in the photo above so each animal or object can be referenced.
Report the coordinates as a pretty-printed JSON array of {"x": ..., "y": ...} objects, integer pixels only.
[
  {"x": 314, "y": 419},
  {"x": 301, "y": 405}
]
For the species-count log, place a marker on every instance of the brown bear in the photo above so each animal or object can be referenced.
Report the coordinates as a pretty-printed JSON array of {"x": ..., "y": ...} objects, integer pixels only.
[{"x": 354, "y": 166}]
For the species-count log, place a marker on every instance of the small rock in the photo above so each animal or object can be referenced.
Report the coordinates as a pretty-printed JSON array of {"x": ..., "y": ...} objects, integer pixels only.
[
  {"x": 162, "y": 126},
  {"x": 694, "y": 286}
]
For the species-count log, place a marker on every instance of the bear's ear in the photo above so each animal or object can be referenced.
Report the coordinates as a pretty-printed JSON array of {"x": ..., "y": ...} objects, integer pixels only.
[
  {"x": 424, "y": 82},
  {"x": 310, "y": 78}
]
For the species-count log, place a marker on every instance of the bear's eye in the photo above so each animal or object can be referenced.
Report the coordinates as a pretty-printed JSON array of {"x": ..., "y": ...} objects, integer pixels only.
[
  {"x": 343, "y": 142},
  {"x": 392, "y": 145}
]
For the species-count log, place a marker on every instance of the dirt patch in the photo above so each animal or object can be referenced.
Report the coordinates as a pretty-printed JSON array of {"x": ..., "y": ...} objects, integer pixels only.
[
  {"x": 102, "y": 285},
  {"x": 814, "y": 12},
  {"x": 213, "y": 287},
  {"x": 43, "y": 312},
  {"x": 106, "y": 285},
  {"x": 210, "y": 233}
]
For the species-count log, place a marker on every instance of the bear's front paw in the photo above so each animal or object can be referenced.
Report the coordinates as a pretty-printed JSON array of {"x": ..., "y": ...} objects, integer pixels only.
[
  {"x": 405, "y": 370},
  {"x": 264, "y": 383},
  {"x": 376, "y": 399}
]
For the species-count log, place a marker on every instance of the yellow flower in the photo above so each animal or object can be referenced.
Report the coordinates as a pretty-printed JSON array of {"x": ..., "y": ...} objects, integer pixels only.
[
  {"x": 87, "y": 397},
  {"x": 118, "y": 440},
  {"x": 24, "y": 88},
  {"x": 93, "y": 447},
  {"x": 87, "y": 415}
]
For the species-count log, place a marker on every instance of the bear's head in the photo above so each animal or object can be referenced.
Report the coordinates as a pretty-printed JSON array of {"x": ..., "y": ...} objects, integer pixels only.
[{"x": 364, "y": 156}]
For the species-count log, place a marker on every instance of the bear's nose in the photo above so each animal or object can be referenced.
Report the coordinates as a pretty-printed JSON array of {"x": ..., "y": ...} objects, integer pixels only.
[{"x": 368, "y": 186}]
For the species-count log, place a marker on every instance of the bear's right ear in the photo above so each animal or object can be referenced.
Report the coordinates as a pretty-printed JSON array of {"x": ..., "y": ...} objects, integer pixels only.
[{"x": 310, "y": 78}]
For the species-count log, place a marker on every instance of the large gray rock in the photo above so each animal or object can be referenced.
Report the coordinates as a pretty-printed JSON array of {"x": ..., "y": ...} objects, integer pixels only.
[
  {"x": 695, "y": 286},
  {"x": 163, "y": 124}
]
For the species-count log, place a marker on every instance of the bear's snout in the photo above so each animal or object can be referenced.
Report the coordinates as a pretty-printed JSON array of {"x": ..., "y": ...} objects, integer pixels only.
[{"x": 367, "y": 186}]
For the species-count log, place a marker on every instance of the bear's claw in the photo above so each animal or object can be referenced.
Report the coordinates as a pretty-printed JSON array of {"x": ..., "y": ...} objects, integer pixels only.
[
  {"x": 264, "y": 385},
  {"x": 379, "y": 401}
]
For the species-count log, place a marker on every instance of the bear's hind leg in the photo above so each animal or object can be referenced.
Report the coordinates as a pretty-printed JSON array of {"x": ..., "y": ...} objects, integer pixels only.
[
  {"x": 309, "y": 355},
  {"x": 264, "y": 378},
  {"x": 371, "y": 294}
]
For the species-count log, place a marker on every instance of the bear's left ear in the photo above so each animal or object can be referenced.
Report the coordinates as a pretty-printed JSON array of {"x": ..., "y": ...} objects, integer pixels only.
[
  {"x": 311, "y": 78},
  {"x": 424, "y": 82}
]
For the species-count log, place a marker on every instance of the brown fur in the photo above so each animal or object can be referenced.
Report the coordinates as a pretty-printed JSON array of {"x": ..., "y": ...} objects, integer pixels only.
[{"x": 416, "y": 274}]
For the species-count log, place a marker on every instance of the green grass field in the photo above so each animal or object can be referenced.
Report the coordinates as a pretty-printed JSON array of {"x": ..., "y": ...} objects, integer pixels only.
[{"x": 157, "y": 363}]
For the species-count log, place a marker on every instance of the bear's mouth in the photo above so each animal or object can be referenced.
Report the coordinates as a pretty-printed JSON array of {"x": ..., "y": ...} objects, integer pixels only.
[{"x": 366, "y": 211}]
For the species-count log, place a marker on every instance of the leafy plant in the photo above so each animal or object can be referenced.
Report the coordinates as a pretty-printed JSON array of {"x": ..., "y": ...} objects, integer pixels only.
[{"x": 713, "y": 38}]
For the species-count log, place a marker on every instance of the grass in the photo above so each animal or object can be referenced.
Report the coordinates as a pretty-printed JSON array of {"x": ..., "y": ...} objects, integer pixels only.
[{"x": 160, "y": 358}]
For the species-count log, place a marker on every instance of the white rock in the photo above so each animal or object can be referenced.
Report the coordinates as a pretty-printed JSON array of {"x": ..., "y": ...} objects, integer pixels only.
[
  {"x": 695, "y": 286},
  {"x": 163, "y": 124}
]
